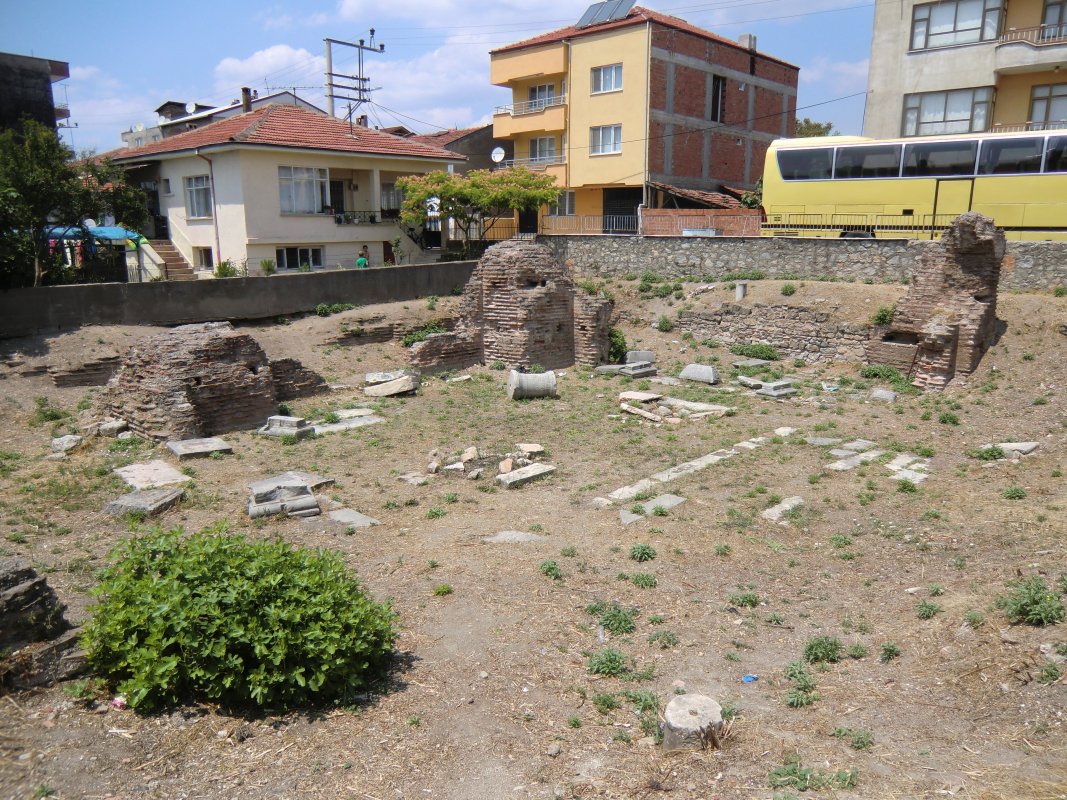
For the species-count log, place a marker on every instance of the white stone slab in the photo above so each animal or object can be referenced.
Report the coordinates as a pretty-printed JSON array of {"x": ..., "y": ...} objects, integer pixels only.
[
  {"x": 639, "y": 397},
  {"x": 750, "y": 383},
  {"x": 199, "y": 448},
  {"x": 630, "y": 492},
  {"x": 854, "y": 460},
  {"x": 375, "y": 378},
  {"x": 353, "y": 413},
  {"x": 353, "y": 519},
  {"x": 151, "y": 475},
  {"x": 530, "y": 448},
  {"x": 413, "y": 478},
  {"x": 404, "y": 385},
  {"x": 513, "y": 537},
  {"x": 690, "y": 405},
  {"x": 775, "y": 513},
  {"x": 1022, "y": 448},
  {"x": 901, "y": 461},
  {"x": 858, "y": 446},
  {"x": 627, "y": 517},
  {"x": 751, "y": 362},
  {"x": 524, "y": 475},
  {"x": 64, "y": 444},
  {"x": 911, "y": 475},
  {"x": 884, "y": 395},
  {"x": 664, "y": 501},
  {"x": 746, "y": 445},
  {"x": 279, "y": 425},
  {"x": 346, "y": 424},
  {"x": 702, "y": 373},
  {"x": 640, "y": 412},
  {"x": 822, "y": 441},
  {"x": 784, "y": 431},
  {"x": 666, "y": 380},
  {"x": 148, "y": 502},
  {"x": 312, "y": 481}
]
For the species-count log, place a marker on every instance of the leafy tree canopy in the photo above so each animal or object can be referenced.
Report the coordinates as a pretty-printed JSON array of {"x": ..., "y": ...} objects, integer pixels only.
[
  {"x": 809, "y": 127},
  {"x": 42, "y": 185}
]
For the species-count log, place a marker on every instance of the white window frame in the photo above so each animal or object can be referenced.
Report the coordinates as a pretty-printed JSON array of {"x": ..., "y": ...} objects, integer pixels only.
[
  {"x": 541, "y": 96},
  {"x": 922, "y": 20},
  {"x": 605, "y": 140},
  {"x": 198, "y": 200},
  {"x": 605, "y": 79},
  {"x": 564, "y": 205},
  {"x": 979, "y": 104},
  {"x": 1042, "y": 98},
  {"x": 204, "y": 258},
  {"x": 303, "y": 190},
  {"x": 315, "y": 255},
  {"x": 543, "y": 150}
]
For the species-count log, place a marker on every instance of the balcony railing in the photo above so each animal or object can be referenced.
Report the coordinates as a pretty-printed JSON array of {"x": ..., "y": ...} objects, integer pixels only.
[
  {"x": 590, "y": 223},
  {"x": 531, "y": 106},
  {"x": 1021, "y": 127},
  {"x": 1037, "y": 36},
  {"x": 366, "y": 217},
  {"x": 535, "y": 163}
]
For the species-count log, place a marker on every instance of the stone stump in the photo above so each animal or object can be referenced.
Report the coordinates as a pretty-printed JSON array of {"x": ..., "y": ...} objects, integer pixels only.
[{"x": 691, "y": 722}]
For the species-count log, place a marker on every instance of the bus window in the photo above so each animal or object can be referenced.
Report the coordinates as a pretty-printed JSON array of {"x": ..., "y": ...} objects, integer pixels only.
[
  {"x": 805, "y": 165},
  {"x": 1010, "y": 156},
  {"x": 939, "y": 158},
  {"x": 1056, "y": 155},
  {"x": 882, "y": 161}
]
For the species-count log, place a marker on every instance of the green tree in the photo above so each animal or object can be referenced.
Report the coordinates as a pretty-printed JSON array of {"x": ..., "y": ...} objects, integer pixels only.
[
  {"x": 753, "y": 199},
  {"x": 480, "y": 196},
  {"x": 41, "y": 186},
  {"x": 809, "y": 127}
]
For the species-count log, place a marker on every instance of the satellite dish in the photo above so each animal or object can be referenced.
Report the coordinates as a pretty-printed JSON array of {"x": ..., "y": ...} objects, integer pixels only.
[
  {"x": 497, "y": 155},
  {"x": 190, "y": 108},
  {"x": 139, "y": 127}
]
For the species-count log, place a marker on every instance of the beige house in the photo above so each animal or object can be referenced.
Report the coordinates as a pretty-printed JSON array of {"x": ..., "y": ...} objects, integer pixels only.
[
  {"x": 962, "y": 66},
  {"x": 282, "y": 184}
]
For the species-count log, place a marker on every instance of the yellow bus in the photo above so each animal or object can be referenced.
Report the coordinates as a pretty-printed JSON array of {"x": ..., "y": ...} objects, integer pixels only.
[{"x": 850, "y": 186}]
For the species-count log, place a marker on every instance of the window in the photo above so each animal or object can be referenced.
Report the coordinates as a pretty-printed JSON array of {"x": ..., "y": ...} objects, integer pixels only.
[
  {"x": 958, "y": 111},
  {"x": 564, "y": 206},
  {"x": 138, "y": 142},
  {"x": 304, "y": 190},
  {"x": 543, "y": 149},
  {"x": 203, "y": 258},
  {"x": 1054, "y": 20},
  {"x": 806, "y": 165},
  {"x": 164, "y": 186},
  {"x": 718, "y": 98},
  {"x": 542, "y": 96},
  {"x": 939, "y": 158},
  {"x": 297, "y": 257},
  {"x": 605, "y": 139},
  {"x": 1010, "y": 156},
  {"x": 1048, "y": 106},
  {"x": 880, "y": 161},
  {"x": 197, "y": 196},
  {"x": 607, "y": 79},
  {"x": 1056, "y": 154},
  {"x": 954, "y": 22}
]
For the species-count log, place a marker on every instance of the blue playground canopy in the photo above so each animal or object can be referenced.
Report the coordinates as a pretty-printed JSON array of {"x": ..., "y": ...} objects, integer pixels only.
[{"x": 109, "y": 233}]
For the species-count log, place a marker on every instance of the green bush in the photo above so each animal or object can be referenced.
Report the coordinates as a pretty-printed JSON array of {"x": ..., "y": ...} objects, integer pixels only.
[
  {"x": 608, "y": 661},
  {"x": 764, "y": 351},
  {"x": 789, "y": 289},
  {"x": 884, "y": 315},
  {"x": 1033, "y": 602},
  {"x": 213, "y": 617},
  {"x": 1060, "y": 291},
  {"x": 616, "y": 346},
  {"x": 227, "y": 269},
  {"x": 664, "y": 324},
  {"x": 823, "y": 649},
  {"x": 267, "y": 266},
  {"x": 326, "y": 309},
  {"x": 422, "y": 334}
]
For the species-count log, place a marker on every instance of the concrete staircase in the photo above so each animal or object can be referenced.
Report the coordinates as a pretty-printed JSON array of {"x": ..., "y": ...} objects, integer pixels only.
[{"x": 178, "y": 269}]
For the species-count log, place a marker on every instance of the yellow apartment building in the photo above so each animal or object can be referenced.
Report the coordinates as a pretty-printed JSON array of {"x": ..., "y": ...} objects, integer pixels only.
[
  {"x": 961, "y": 66},
  {"x": 613, "y": 108}
]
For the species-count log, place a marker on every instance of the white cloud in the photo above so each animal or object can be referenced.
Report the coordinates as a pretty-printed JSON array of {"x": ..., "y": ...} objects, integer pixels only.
[
  {"x": 836, "y": 77},
  {"x": 279, "y": 65}
]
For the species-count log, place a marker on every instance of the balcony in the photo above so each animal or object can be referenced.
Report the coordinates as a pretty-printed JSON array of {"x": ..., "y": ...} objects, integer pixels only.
[
  {"x": 366, "y": 217},
  {"x": 554, "y": 165},
  {"x": 532, "y": 116},
  {"x": 1022, "y": 127},
  {"x": 1035, "y": 49}
]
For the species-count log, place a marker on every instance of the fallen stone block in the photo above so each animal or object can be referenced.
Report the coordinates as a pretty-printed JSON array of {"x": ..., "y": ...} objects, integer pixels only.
[
  {"x": 901, "y": 461},
  {"x": 530, "y": 449},
  {"x": 701, "y": 373},
  {"x": 352, "y": 519},
  {"x": 609, "y": 369},
  {"x": 349, "y": 424},
  {"x": 695, "y": 407},
  {"x": 883, "y": 395},
  {"x": 782, "y": 388},
  {"x": 146, "y": 502},
  {"x": 112, "y": 427},
  {"x": 859, "y": 445},
  {"x": 640, "y": 412},
  {"x": 750, "y": 362},
  {"x": 524, "y": 475},
  {"x": 279, "y": 425},
  {"x": 1020, "y": 448},
  {"x": 377, "y": 378},
  {"x": 775, "y": 513},
  {"x": 822, "y": 441},
  {"x": 750, "y": 383},
  {"x": 282, "y": 485},
  {"x": 531, "y": 385},
  {"x": 29, "y": 608},
  {"x": 151, "y": 475},
  {"x": 855, "y": 460},
  {"x": 784, "y": 431},
  {"x": 292, "y": 499},
  {"x": 460, "y": 379},
  {"x": 65, "y": 444},
  {"x": 45, "y": 663},
  {"x": 641, "y": 369},
  {"x": 456, "y": 467},
  {"x": 640, "y": 356},
  {"x": 691, "y": 722},
  {"x": 910, "y": 475},
  {"x": 664, "y": 501},
  {"x": 403, "y": 385},
  {"x": 630, "y": 492},
  {"x": 198, "y": 448},
  {"x": 413, "y": 478},
  {"x": 639, "y": 397},
  {"x": 627, "y": 517},
  {"x": 353, "y": 413},
  {"x": 667, "y": 380},
  {"x": 470, "y": 454},
  {"x": 512, "y": 537}
]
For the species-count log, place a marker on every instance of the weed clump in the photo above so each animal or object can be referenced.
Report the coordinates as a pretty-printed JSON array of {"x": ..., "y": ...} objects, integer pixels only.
[
  {"x": 1033, "y": 602},
  {"x": 422, "y": 334},
  {"x": 613, "y": 617},
  {"x": 642, "y": 552},
  {"x": 823, "y": 649},
  {"x": 216, "y": 618},
  {"x": 609, "y": 661},
  {"x": 327, "y": 309},
  {"x": 764, "y": 351}
]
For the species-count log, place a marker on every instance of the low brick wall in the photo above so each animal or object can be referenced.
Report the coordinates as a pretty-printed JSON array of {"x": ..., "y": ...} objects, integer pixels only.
[
  {"x": 726, "y": 221},
  {"x": 27, "y": 311},
  {"x": 796, "y": 332},
  {"x": 1028, "y": 266}
]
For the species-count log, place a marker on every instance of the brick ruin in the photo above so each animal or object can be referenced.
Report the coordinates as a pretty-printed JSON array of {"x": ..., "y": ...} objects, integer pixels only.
[
  {"x": 202, "y": 380},
  {"x": 947, "y": 320},
  {"x": 520, "y": 307}
]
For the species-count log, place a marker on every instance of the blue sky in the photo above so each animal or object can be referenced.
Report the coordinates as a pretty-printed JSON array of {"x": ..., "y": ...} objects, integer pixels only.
[{"x": 128, "y": 57}]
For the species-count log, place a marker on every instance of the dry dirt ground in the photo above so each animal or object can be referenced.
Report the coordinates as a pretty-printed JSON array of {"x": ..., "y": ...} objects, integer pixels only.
[{"x": 494, "y": 699}]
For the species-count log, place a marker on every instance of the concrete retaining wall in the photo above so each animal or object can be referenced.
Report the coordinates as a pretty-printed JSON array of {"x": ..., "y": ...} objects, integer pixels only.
[
  {"x": 1028, "y": 266},
  {"x": 27, "y": 311}
]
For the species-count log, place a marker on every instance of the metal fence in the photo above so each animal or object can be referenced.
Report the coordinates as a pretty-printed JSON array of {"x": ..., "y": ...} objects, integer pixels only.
[{"x": 591, "y": 223}]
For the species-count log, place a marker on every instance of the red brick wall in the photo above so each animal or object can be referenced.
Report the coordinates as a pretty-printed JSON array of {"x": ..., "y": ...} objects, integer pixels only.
[{"x": 728, "y": 221}]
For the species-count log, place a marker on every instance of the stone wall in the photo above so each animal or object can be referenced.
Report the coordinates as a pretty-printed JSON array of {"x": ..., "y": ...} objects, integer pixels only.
[
  {"x": 1028, "y": 266},
  {"x": 796, "y": 332},
  {"x": 592, "y": 329},
  {"x": 441, "y": 352},
  {"x": 292, "y": 380}
]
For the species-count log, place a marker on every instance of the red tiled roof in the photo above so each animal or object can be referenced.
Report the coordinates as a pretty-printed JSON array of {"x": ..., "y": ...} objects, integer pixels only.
[
  {"x": 446, "y": 137},
  {"x": 637, "y": 16},
  {"x": 290, "y": 126},
  {"x": 710, "y": 199}
]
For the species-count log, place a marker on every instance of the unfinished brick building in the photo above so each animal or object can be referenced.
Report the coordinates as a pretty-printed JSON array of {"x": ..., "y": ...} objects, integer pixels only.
[
  {"x": 520, "y": 307},
  {"x": 947, "y": 320},
  {"x": 201, "y": 380}
]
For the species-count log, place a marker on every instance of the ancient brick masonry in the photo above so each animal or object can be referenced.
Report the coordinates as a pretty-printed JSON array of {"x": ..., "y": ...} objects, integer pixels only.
[
  {"x": 200, "y": 380},
  {"x": 947, "y": 320},
  {"x": 520, "y": 308}
]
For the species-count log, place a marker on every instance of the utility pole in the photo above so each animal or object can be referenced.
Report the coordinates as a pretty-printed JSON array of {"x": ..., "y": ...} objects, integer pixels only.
[{"x": 344, "y": 86}]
